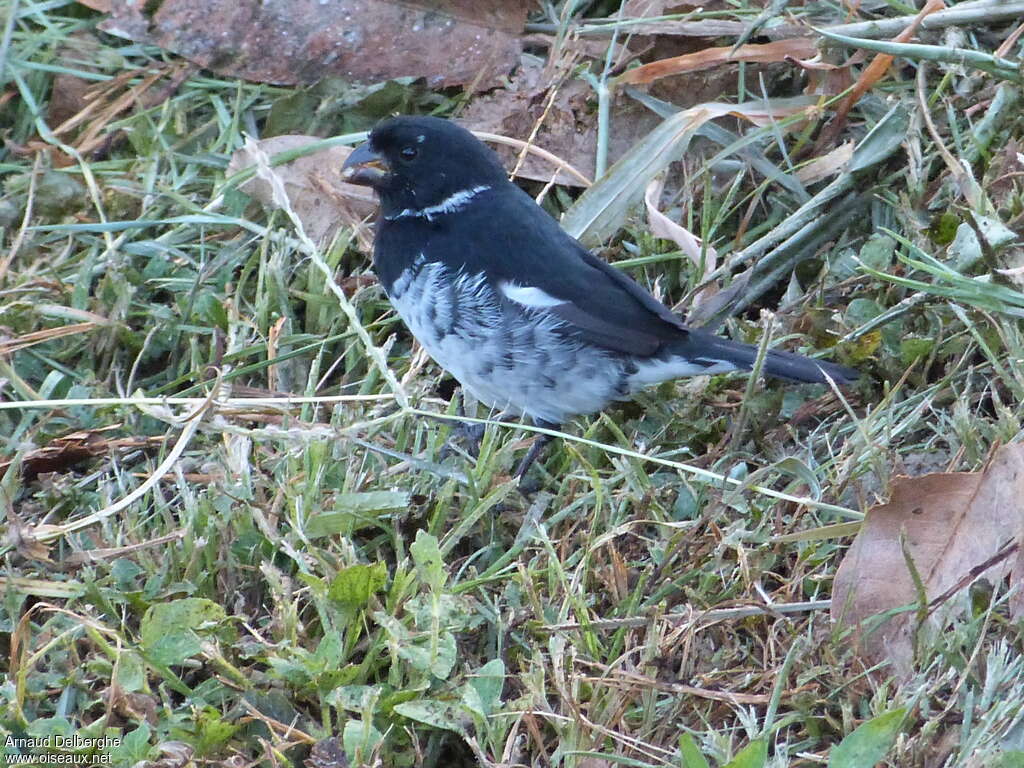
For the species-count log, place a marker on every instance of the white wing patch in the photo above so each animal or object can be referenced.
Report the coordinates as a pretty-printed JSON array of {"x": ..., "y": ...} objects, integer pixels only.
[{"x": 529, "y": 296}]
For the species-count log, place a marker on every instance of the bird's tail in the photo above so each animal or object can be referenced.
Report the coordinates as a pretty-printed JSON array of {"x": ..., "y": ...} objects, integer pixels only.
[{"x": 720, "y": 354}]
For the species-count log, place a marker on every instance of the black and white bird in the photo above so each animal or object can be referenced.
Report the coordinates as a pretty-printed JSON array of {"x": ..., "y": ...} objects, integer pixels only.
[{"x": 526, "y": 318}]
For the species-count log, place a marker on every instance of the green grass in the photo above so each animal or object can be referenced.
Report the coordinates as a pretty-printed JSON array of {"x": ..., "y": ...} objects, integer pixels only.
[{"x": 285, "y": 571}]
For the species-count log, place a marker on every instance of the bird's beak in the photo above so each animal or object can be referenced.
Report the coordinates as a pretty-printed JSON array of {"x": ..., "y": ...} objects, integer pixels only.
[{"x": 364, "y": 166}]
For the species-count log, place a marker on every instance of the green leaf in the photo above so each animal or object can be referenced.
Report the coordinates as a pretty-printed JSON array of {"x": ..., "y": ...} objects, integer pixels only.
[
  {"x": 1011, "y": 759},
  {"x": 134, "y": 747},
  {"x": 214, "y": 732},
  {"x": 471, "y": 702},
  {"x": 692, "y": 757},
  {"x": 169, "y": 630},
  {"x": 885, "y": 138},
  {"x": 130, "y": 674},
  {"x": 328, "y": 652},
  {"x": 877, "y": 251},
  {"x": 442, "y": 660},
  {"x": 353, "y": 697},
  {"x": 754, "y": 755},
  {"x": 426, "y": 553},
  {"x": 353, "y": 586},
  {"x": 488, "y": 682},
  {"x": 354, "y": 510},
  {"x": 439, "y": 714},
  {"x": 360, "y": 739},
  {"x": 422, "y": 650},
  {"x": 372, "y": 501},
  {"x": 911, "y": 349},
  {"x": 600, "y": 211},
  {"x": 869, "y": 743},
  {"x": 209, "y": 308}
]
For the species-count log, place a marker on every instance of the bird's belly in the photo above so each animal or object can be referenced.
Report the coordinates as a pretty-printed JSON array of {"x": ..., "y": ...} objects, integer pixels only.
[{"x": 511, "y": 359}]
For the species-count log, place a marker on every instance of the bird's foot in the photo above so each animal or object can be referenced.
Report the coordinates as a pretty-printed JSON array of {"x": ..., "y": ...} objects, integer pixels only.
[
  {"x": 466, "y": 437},
  {"x": 529, "y": 487},
  {"x": 466, "y": 434}
]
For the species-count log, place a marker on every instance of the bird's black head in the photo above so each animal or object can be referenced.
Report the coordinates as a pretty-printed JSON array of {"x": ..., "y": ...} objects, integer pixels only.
[{"x": 416, "y": 163}]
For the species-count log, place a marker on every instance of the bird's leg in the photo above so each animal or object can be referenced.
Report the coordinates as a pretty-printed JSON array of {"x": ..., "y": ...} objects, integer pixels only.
[
  {"x": 539, "y": 444},
  {"x": 470, "y": 434}
]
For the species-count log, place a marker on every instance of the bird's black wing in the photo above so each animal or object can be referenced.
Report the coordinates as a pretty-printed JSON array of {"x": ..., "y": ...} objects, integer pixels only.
[{"x": 512, "y": 240}]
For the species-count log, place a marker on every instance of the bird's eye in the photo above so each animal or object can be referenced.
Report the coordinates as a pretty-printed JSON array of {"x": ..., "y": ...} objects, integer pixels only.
[{"x": 409, "y": 153}]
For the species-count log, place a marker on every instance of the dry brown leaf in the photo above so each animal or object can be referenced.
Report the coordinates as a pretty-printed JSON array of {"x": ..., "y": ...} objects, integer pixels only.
[
  {"x": 69, "y": 94},
  {"x": 955, "y": 526},
  {"x": 64, "y": 452},
  {"x": 662, "y": 226},
  {"x": 780, "y": 50},
  {"x": 103, "y": 102},
  {"x": 558, "y": 114},
  {"x": 322, "y": 201},
  {"x": 872, "y": 73},
  {"x": 827, "y": 165},
  {"x": 565, "y": 128},
  {"x": 9, "y": 346},
  {"x": 452, "y": 42}
]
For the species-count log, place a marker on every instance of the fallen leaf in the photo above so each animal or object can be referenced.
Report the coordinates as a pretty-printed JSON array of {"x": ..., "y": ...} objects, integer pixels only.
[
  {"x": 62, "y": 453},
  {"x": 555, "y": 114},
  {"x": 103, "y": 102},
  {"x": 872, "y": 73},
  {"x": 321, "y": 200},
  {"x": 69, "y": 93},
  {"x": 1004, "y": 176},
  {"x": 957, "y": 527},
  {"x": 827, "y": 165},
  {"x": 780, "y": 50},
  {"x": 662, "y": 226},
  {"x": 287, "y": 42}
]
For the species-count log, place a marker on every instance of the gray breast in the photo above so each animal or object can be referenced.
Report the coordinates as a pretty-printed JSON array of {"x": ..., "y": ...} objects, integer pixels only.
[{"x": 522, "y": 361}]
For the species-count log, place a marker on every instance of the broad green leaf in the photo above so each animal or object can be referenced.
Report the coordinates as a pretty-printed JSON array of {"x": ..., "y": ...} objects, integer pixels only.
[
  {"x": 169, "y": 629},
  {"x": 882, "y": 140},
  {"x": 439, "y": 714},
  {"x": 213, "y": 732},
  {"x": 692, "y": 757},
  {"x": 754, "y": 755},
  {"x": 352, "y": 697},
  {"x": 471, "y": 701},
  {"x": 488, "y": 682},
  {"x": 134, "y": 747},
  {"x": 130, "y": 674},
  {"x": 426, "y": 553},
  {"x": 443, "y": 657},
  {"x": 353, "y": 586},
  {"x": 869, "y": 743},
  {"x": 360, "y": 739},
  {"x": 421, "y": 650}
]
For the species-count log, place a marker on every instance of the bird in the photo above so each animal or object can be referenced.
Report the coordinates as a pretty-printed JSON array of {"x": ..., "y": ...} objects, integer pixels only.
[{"x": 526, "y": 318}]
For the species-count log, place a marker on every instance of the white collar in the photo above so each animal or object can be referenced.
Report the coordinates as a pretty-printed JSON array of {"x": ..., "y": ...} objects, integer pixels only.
[{"x": 449, "y": 205}]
